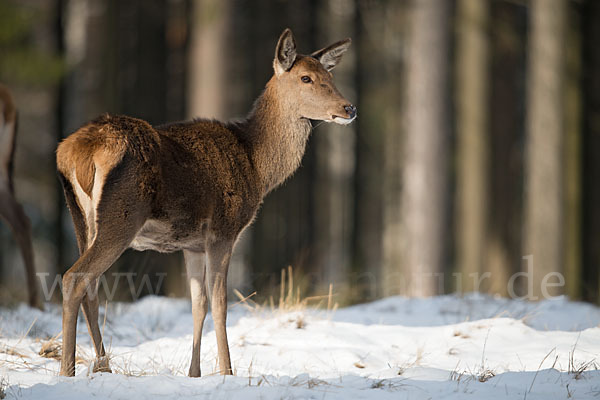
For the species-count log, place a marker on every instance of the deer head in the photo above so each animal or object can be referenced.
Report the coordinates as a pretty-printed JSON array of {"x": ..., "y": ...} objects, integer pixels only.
[{"x": 310, "y": 81}]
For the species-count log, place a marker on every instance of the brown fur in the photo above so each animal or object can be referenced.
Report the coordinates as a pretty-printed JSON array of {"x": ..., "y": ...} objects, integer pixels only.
[{"x": 191, "y": 186}]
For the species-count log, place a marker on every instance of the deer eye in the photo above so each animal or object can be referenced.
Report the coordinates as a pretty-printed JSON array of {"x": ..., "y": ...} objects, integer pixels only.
[{"x": 306, "y": 79}]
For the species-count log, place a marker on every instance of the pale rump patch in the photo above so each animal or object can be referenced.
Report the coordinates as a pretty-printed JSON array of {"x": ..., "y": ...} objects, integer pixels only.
[
  {"x": 84, "y": 202},
  {"x": 89, "y": 204}
]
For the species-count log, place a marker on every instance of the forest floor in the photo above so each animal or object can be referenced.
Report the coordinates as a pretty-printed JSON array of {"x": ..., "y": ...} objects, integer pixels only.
[{"x": 446, "y": 347}]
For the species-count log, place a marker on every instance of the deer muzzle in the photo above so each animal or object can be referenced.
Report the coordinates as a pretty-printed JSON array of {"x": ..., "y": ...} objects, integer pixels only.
[{"x": 350, "y": 115}]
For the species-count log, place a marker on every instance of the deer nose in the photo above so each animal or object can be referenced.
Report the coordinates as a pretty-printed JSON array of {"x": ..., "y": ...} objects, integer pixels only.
[{"x": 350, "y": 110}]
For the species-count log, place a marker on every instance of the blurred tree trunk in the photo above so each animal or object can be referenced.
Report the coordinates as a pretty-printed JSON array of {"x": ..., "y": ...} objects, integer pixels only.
[
  {"x": 368, "y": 168},
  {"x": 87, "y": 44},
  {"x": 387, "y": 27},
  {"x": 141, "y": 55},
  {"x": 425, "y": 176},
  {"x": 572, "y": 171},
  {"x": 177, "y": 32},
  {"x": 590, "y": 232},
  {"x": 208, "y": 58},
  {"x": 472, "y": 76},
  {"x": 545, "y": 140},
  {"x": 507, "y": 92}
]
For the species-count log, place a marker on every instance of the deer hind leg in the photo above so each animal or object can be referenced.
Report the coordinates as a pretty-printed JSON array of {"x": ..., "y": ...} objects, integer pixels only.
[
  {"x": 119, "y": 215},
  {"x": 81, "y": 278},
  {"x": 13, "y": 213},
  {"x": 219, "y": 255},
  {"x": 90, "y": 301},
  {"x": 90, "y": 306},
  {"x": 195, "y": 265}
]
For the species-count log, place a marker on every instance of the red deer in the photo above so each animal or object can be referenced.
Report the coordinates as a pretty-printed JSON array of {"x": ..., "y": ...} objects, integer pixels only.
[
  {"x": 191, "y": 186},
  {"x": 10, "y": 210}
]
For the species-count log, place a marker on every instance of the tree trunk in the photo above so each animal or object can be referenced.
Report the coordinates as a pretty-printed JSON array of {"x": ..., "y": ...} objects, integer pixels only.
[
  {"x": 426, "y": 170},
  {"x": 208, "y": 58},
  {"x": 590, "y": 149},
  {"x": 545, "y": 141},
  {"x": 367, "y": 218},
  {"x": 572, "y": 152},
  {"x": 472, "y": 141},
  {"x": 507, "y": 92},
  {"x": 388, "y": 30}
]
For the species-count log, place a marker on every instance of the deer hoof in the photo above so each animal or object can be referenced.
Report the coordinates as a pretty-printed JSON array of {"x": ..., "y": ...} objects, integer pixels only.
[
  {"x": 67, "y": 372},
  {"x": 101, "y": 365}
]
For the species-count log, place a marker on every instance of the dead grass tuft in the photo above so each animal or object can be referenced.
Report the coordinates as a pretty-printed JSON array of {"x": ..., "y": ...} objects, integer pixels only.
[
  {"x": 52, "y": 348},
  {"x": 386, "y": 384},
  {"x": 3, "y": 386},
  {"x": 460, "y": 334},
  {"x": 577, "y": 368},
  {"x": 290, "y": 299},
  {"x": 304, "y": 380},
  {"x": 484, "y": 374},
  {"x": 401, "y": 369}
]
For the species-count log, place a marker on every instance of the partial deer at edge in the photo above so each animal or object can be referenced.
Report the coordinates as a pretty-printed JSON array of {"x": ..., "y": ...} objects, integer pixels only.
[
  {"x": 10, "y": 210},
  {"x": 191, "y": 186}
]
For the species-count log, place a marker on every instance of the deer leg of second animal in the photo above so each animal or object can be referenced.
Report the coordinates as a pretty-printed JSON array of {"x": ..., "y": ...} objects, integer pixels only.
[
  {"x": 13, "y": 213},
  {"x": 195, "y": 264},
  {"x": 218, "y": 264}
]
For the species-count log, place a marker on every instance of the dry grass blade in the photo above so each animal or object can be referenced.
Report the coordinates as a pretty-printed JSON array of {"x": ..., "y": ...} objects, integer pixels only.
[
  {"x": 538, "y": 369},
  {"x": 244, "y": 300}
]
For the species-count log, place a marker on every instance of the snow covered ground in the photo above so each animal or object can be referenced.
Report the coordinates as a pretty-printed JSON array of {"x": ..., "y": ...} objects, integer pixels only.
[{"x": 447, "y": 347}]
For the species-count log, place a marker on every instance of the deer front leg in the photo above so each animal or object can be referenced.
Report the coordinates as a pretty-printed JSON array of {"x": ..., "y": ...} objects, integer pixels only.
[
  {"x": 218, "y": 264},
  {"x": 195, "y": 265}
]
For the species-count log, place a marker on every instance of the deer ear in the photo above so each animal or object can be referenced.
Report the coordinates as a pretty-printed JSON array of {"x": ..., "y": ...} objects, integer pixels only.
[
  {"x": 330, "y": 56},
  {"x": 285, "y": 52}
]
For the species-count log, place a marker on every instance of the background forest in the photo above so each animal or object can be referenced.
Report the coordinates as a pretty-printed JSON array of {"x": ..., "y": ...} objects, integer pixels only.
[{"x": 473, "y": 164}]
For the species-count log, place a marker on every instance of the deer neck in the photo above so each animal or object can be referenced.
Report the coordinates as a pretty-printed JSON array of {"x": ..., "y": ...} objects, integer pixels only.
[{"x": 277, "y": 138}]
